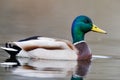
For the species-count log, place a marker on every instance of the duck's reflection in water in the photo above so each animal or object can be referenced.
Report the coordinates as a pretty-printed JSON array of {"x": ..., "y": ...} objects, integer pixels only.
[
  {"x": 81, "y": 70},
  {"x": 75, "y": 70}
]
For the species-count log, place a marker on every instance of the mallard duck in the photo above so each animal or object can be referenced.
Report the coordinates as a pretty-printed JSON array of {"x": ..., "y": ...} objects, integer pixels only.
[{"x": 53, "y": 48}]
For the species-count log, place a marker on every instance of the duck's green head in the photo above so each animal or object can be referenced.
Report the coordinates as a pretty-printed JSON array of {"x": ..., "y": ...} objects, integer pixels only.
[{"x": 81, "y": 25}]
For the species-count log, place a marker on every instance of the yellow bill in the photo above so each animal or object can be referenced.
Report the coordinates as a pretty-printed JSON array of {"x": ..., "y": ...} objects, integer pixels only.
[{"x": 97, "y": 29}]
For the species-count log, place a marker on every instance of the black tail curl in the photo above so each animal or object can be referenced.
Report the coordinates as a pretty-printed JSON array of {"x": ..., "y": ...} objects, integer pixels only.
[{"x": 13, "y": 46}]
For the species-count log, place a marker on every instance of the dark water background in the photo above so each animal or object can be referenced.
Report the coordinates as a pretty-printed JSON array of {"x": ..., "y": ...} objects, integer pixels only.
[{"x": 24, "y": 18}]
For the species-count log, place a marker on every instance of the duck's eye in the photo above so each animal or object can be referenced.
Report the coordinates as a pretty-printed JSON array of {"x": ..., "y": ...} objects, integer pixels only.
[{"x": 86, "y": 21}]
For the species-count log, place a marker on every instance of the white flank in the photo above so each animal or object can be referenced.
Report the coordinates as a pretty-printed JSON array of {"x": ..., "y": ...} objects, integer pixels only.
[
  {"x": 23, "y": 53},
  {"x": 53, "y": 54}
]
